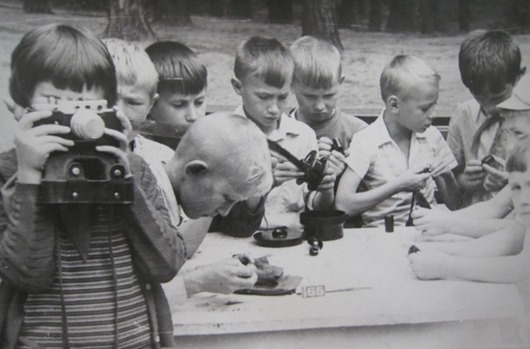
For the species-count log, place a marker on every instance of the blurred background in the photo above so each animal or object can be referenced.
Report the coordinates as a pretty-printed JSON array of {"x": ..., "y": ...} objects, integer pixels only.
[{"x": 368, "y": 32}]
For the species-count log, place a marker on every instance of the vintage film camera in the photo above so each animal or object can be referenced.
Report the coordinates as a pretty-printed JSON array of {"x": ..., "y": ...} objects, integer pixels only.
[
  {"x": 82, "y": 174},
  {"x": 312, "y": 167}
]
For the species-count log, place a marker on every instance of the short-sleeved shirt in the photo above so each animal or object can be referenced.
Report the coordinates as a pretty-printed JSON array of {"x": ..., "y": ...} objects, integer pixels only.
[
  {"x": 299, "y": 139},
  {"x": 341, "y": 126},
  {"x": 463, "y": 124},
  {"x": 377, "y": 159}
]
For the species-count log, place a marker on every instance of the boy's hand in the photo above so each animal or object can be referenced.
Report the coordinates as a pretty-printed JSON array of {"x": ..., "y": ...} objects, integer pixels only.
[
  {"x": 121, "y": 152},
  {"x": 429, "y": 264},
  {"x": 35, "y": 144},
  {"x": 495, "y": 179},
  {"x": 126, "y": 124},
  {"x": 336, "y": 160},
  {"x": 328, "y": 182},
  {"x": 473, "y": 176},
  {"x": 411, "y": 180},
  {"x": 223, "y": 277},
  {"x": 285, "y": 171},
  {"x": 438, "y": 168},
  {"x": 431, "y": 222}
]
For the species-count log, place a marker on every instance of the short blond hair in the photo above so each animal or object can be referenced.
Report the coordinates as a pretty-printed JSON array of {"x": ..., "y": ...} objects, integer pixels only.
[
  {"x": 404, "y": 71},
  {"x": 317, "y": 63},
  {"x": 133, "y": 65}
]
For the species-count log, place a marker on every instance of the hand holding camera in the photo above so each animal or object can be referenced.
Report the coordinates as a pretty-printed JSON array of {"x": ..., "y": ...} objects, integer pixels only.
[{"x": 80, "y": 150}]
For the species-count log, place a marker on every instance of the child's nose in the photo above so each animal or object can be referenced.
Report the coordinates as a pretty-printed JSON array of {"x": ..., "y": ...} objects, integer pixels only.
[
  {"x": 192, "y": 114},
  {"x": 320, "y": 106},
  {"x": 273, "y": 108}
]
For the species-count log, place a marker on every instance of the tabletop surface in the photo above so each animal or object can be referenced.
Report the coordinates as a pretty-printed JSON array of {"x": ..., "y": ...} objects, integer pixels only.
[{"x": 374, "y": 263}]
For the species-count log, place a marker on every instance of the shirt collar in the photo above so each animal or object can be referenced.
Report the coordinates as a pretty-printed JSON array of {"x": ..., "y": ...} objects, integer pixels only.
[
  {"x": 288, "y": 125},
  {"x": 381, "y": 134}
]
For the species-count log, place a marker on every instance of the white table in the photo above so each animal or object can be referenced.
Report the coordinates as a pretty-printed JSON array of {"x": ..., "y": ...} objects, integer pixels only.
[{"x": 395, "y": 311}]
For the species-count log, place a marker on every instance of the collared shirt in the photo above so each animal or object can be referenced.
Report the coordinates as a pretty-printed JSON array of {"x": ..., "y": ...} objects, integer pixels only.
[
  {"x": 377, "y": 159},
  {"x": 151, "y": 151},
  {"x": 340, "y": 125},
  {"x": 299, "y": 139},
  {"x": 463, "y": 124}
]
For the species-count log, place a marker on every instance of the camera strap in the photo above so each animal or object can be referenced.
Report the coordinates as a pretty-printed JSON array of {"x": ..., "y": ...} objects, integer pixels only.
[{"x": 286, "y": 154}]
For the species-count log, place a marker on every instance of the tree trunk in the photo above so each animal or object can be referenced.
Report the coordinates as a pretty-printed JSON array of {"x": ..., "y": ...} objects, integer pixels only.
[
  {"x": 127, "y": 21},
  {"x": 401, "y": 16},
  {"x": 376, "y": 16},
  {"x": 280, "y": 10},
  {"x": 172, "y": 12},
  {"x": 242, "y": 8},
  {"x": 464, "y": 14},
  {"x": 217, "y": 8},
  {"x": 319, "y": 19},
  {"x": 433, "y": 16},
  {"x": 36, "y": 6},
  {"x": 347, "y": 13}
]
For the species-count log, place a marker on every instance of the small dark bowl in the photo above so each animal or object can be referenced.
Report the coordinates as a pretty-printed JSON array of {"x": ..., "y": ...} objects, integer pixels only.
[{"x": 323, "y": 225}]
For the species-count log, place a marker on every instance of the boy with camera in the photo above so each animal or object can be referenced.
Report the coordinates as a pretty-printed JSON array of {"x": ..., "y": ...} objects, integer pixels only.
[{"x": 263, "y": 74}]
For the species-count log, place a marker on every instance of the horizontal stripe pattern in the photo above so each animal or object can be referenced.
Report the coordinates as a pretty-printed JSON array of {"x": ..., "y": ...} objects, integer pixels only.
[{"x": 88, "y": 291}]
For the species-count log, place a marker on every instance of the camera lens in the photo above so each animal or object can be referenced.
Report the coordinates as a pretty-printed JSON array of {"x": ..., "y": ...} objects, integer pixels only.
[{"x": 87, "y": 124}]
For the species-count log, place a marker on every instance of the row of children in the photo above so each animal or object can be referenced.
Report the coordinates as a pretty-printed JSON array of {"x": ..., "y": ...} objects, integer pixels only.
[{"x": 46, "y": 273}]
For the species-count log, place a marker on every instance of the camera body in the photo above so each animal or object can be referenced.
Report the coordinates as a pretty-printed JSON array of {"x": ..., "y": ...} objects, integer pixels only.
[
  {"x": 313, "y": 169},
  {"x": 82, "y": 174}
]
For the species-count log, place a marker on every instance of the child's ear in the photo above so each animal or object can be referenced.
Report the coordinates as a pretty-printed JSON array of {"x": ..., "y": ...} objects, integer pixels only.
[
  {"x": 236, "y": 84},
  {"x": 196, "y": 168},
  {"x": 392, "y": 104},
  {"x": 521, "y": 74}
]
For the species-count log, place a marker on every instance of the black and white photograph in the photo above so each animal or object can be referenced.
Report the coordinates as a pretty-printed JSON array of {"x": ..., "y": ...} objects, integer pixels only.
[{"x": 265, "y": 174}]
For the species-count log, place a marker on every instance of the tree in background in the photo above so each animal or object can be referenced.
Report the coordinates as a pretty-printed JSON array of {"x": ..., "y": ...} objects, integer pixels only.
[
  {"x": 172, "y": 12},
  {"x": 348, "y": 13},
  {"x": 319, "y": 19},
  {"x": 242, "y": 8},
  {"x": 433, "y": 16},
  {"x": 36, "y": 6},
  {"x": 127, "y": 21},
  {"x": 375, "y": 18},
  {"x": 464, "y": 15},
  {"x": 280, "y": 10},
  {"x": 401, "y": 16}
]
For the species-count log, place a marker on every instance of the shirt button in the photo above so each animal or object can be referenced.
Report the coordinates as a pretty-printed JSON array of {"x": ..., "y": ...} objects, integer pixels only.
[{"x": 147, "y": 286}]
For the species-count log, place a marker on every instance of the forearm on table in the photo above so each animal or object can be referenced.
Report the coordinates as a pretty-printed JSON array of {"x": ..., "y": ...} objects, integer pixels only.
[
  {"x": 473, "y": 227},
  {"x": 504, "y": 242},
  {"x": 505, "y": 269}
]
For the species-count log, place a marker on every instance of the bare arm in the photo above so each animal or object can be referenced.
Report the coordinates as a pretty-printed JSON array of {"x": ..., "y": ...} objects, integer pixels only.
[
  {"x": 353, "y": 203},
  {"x": 193, "y": 232},
  {"x": 436, "y": 222},
  {"x": 437, "y": 265},
  {"x": 497, "y": 207},
  {"x": 506, "y": 241}
]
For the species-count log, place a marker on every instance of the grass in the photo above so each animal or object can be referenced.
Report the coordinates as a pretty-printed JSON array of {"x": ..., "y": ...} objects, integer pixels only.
[{"x": 215, "y": 40}]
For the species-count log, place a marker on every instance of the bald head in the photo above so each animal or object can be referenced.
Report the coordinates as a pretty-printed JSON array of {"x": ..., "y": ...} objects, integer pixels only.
[{"x": 233, "y": 148}]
